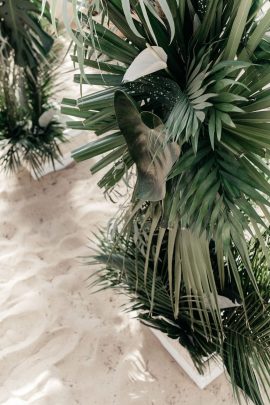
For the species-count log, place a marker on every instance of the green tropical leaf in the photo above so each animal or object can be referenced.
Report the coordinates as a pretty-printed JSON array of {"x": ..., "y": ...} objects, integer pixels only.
[
  {"x": 22, "y": 31},
  {"x": 237, "y": 30}
]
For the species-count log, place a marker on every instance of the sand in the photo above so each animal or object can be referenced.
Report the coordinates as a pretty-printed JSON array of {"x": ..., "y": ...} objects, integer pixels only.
[{"x": 60, "y": 344}]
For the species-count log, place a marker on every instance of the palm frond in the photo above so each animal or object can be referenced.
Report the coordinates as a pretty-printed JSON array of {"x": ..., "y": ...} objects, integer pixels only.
[
  {"x": 27, "y": 98},
  {"x": 197, "y": 242},
  {"x": 23, "y": 33},
  {"x": 242, "y": 337}
]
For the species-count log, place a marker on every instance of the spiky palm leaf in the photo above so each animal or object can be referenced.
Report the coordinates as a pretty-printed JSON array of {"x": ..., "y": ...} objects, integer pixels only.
[
  {"x": 26, "y": 95},
  {"x": 213, "y": 102},
  {"x": 22, "y": 33},
  {"x": 242, "y": 337}
]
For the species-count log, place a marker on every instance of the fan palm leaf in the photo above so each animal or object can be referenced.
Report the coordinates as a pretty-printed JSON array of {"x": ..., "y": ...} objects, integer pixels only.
[{"x": 212, "y": 99}]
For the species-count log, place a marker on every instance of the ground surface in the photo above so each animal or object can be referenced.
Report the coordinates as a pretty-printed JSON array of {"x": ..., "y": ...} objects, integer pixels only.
[{"x": 60, "y": 345}]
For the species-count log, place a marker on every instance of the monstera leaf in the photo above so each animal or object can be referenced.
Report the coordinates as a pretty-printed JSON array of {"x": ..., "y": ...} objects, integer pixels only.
[
  {"x": 153, "y": 159},
  {"x": 21, "y": 29}
]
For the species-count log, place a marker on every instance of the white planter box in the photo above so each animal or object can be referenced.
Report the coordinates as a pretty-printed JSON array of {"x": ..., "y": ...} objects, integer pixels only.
[{"x": 213, "y": 368}]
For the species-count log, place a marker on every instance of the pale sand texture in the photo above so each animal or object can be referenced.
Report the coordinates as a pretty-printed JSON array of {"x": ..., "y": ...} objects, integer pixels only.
[{"x": 60, "y": 345}]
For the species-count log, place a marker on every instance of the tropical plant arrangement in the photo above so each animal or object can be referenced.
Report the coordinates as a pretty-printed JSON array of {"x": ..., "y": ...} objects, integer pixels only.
[
  {"x": 29, "y": 133},
  {"x": 184, "y": 99}
]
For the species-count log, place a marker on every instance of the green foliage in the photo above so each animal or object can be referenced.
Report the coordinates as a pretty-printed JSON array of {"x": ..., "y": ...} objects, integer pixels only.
[
  {"x": 31, "y": 144},
  {"x": 26, "y": 88},
  {"x": 241, "y": 338},
  {"x": 26, "y": 95},
  {"x": 22, "y": 33},
  {"x": 213, "y": 100}
]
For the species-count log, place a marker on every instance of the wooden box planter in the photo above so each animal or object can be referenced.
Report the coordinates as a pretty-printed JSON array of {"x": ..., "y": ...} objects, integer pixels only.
[{"x": 213, "y": 369}]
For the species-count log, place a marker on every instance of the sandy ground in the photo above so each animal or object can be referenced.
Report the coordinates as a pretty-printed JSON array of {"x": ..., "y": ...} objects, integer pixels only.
[{"x": 60, "y": 344}]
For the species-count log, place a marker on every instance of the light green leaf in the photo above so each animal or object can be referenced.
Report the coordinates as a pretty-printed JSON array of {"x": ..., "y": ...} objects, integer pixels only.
[
  {"x": 168, "y": 14},
  {"x": 237, "y": 30},
  {"x": 212, "y": 128},
  {"x": 128, "y": 16},
  {"x": 258, "y": 33}
]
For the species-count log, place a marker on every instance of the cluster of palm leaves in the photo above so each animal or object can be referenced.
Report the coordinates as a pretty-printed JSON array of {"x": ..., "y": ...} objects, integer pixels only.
[
  {"x": 243, "y": 341},
  {"x": 28, "y": 70},
  {"x": 185, "y": 99}
]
